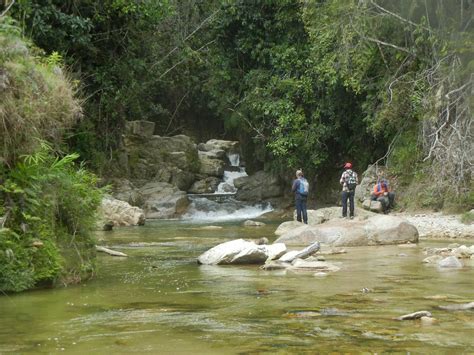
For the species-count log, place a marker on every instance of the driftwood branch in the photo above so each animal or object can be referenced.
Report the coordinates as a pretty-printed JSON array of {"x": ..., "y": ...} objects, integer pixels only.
[
  {"x": 398, "y": 16},
  {"x": 187, "y": 37},
  {"x": 8, "y": 8},
  {"x": 109, "y": 251}
]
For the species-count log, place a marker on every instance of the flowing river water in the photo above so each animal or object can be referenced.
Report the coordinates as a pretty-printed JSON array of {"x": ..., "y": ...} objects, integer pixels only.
[{"x": 158, "y": 300}]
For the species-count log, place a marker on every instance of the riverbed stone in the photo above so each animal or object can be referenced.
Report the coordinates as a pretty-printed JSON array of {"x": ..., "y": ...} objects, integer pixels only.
[
  {"x": 205, "y": 186},
  {"x": 163, "y": 200},
  {"x": 301, "y": 254},
  {"x": 462, "y": 252},
  {"x": 314, "y": 217},
  {"x": 120, "y": 213},
  {"x": 275, "y": 265},
  {"x": 374, "y": 206},
  {"x": 415, "y": 315},
  {"x": 275, "y": 251},
  {"x": 250, "y": 223},
  {"x": 433, "y": 259},
  {"x": 458, "y": 307},
  {"x": 450, "y": 262},
  {"x": 240, "y": 251},
  {"x": 376, "y": 230},
  {"x": 313, "y": 265},
  {"x": 428, "y": 320},
  {"x": 285, "y": 227}
]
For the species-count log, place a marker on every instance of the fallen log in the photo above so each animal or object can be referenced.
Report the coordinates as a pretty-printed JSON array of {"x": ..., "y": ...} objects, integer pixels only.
[
  {"x": 302, "y": 254},
  {"x": 109, "y": 251},
  {"x": 415, "y": 315}
]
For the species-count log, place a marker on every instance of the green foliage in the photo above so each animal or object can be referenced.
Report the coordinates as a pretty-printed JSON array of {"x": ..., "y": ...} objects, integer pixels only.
[
  {"x": 37, "y": 98},
  {"x": 109, "y": 44},
  {"x": 306, "y": 84},
  {"x": 276, "y": 80},
  {"x": 49, "y": 206},
  {"x": 467, "y": 217}
]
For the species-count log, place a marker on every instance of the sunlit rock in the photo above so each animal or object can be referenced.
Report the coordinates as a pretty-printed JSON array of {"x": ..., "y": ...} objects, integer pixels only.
[
  {"x": 450, "y": 262},
  {"x": 241, "y": 251},
  {"x": 285, "y": 227},
  {"x": 433, "y": 259},
  {"x": 301, "y": 254},
  {"x": 375, "y": 230},
  {"x": 307, "y": 265},
  {"x": 120, "y": 213},
  {"x": 415, "y": 315}
]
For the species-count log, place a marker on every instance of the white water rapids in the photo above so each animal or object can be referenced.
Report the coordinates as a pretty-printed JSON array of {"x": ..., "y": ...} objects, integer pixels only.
[{"x": 225, "y": 208}]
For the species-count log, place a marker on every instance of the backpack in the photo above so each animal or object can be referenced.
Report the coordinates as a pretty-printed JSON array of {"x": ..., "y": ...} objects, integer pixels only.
[
  {"x": 351, "y": 181},
  {"x": 303, "y": 187}
]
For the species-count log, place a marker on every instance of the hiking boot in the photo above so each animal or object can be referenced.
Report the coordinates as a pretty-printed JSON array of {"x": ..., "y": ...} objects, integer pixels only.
[{"x": 351, "y": 217}]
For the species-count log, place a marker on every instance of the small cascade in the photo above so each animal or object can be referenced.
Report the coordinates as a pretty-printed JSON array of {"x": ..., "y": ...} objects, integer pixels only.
[
  {"x": 227, "y": 185},
  {"x": 222, "y": 206}
]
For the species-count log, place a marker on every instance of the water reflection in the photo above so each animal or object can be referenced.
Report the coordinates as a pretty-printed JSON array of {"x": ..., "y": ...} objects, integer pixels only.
[{"x": 159, "y": 300}]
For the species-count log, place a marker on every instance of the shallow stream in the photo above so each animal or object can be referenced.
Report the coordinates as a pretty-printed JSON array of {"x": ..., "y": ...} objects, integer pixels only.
[{"x": 158, "y": 300}]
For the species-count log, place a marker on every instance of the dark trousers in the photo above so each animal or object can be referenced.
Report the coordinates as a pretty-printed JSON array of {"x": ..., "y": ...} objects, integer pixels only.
[
  {"x": 301, "y": 210},
  {"x": 348, "y": 195},
  {"x": 387, "y": 201}
]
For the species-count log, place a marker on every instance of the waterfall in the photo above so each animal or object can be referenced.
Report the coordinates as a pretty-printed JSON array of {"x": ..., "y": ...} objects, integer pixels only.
[
  {"x": 227, "y": 185},
  {"x": 222, "y": 206}
]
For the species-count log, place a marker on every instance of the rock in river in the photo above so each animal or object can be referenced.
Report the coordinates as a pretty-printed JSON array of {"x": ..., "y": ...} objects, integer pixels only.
[
  {"x": 375, "y": 230},
  {"x": 241, "y": 252}
]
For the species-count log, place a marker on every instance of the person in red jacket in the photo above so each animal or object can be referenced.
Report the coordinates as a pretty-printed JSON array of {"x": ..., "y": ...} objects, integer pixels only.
[
  {"x": 349, "y": 181},
  {"x": 383, "y": 194}
]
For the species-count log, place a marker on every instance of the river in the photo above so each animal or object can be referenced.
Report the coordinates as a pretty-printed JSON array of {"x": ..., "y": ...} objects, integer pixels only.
[{"x": 158, "y": 300}]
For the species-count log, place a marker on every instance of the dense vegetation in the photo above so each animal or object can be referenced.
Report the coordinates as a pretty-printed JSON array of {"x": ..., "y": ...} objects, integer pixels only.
[
  {"x": 303, "y": 83},
  {"x": 47, "y": 202}
]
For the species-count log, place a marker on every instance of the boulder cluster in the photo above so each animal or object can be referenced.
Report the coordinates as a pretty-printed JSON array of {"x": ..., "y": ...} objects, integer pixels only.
[{"x": 157, "y": 173}]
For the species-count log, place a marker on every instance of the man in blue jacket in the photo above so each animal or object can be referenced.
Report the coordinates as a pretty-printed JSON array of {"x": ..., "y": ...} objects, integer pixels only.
[{"x": 301, "y": 188}]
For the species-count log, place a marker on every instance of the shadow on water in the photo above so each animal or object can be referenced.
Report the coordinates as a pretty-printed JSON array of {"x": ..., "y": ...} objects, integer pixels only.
[{"x": 158, "y": 300}]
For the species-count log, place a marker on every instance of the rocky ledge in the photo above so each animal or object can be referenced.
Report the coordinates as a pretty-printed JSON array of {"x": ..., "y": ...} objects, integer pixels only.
[{"x": 367, "y": 228}]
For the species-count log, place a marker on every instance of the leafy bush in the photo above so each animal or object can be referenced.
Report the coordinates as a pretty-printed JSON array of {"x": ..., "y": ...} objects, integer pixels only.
[
  {"x": 37, "y": 98},
  {"x": 49, "y": 205}
]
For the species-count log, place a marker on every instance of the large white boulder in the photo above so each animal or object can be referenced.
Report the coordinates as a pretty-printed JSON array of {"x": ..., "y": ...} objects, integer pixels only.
[
  {"x": 375, "y": 230},
  {"x": 285, "y": 227},
  {"x": 120, "y": 213},
  {"x": 240, "y": 251}
]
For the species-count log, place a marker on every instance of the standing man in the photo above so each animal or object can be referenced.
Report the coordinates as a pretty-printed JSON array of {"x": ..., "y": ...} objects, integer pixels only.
[
  {"x": 301, "y": 188},
  {"x": 349, "y": 181}
]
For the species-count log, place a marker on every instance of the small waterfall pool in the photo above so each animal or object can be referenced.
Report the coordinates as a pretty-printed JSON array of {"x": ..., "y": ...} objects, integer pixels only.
[{"x": 223, "y": 206}]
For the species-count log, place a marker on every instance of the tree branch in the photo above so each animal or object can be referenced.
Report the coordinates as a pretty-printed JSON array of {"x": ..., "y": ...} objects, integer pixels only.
[{"x": 8, "y": 8}]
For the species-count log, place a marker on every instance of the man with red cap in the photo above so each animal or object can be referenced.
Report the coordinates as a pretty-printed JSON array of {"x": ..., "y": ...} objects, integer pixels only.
[{"x": 349, "y": 181}]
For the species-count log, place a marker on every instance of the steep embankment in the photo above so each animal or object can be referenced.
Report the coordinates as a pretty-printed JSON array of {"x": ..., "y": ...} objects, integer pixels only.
[{"x": 47, "y": 204}]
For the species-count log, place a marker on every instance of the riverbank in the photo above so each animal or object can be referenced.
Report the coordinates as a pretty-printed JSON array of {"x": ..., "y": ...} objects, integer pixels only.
[{"x": 436, "y": 225}]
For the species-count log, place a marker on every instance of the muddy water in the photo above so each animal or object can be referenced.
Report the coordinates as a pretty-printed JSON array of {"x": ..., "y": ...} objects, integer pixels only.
[{"x": 158, "y": 300}]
